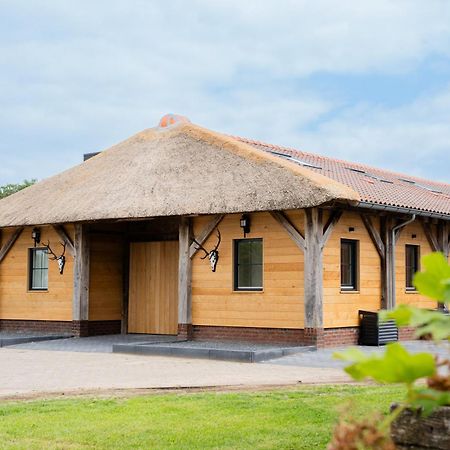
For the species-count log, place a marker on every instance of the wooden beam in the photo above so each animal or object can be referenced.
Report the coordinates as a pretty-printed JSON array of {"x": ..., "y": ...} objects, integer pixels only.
[
  {"x": 295, "y": 235},
  {"x": 205, "y": 233},
  {"x": 81, "y": 274},
  {"x": 184, "y": 273},
  {"x": 125, "y": 283},
  {"x": 11, "y": 241},
  {"x": 443, "y": 237},
  {"x": 431, "y": 236},
  {"x": 331, "y": 222},
  {"x": 313, "y": 269},
  {"x": 386, "y": 263},
  {"x": 62, "y": 233},
  {"x": 374, "y": 235}
]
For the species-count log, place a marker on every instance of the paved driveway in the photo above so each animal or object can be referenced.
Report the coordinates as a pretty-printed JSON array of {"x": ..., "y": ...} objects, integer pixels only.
[{"x": 29, "y": 373}]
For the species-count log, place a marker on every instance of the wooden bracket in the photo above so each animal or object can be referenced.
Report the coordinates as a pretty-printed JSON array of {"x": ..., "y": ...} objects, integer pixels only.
[
  {"x": 295, "y": 235},
  {"x": 374, "y": 235},
  {"x": 331, "y": 222},
  {"x": 8, "y": 245},
  {"x": 62, "y": 233},
  {"x": 205, "y": 233},
  {"x": 431, "y": 237}
]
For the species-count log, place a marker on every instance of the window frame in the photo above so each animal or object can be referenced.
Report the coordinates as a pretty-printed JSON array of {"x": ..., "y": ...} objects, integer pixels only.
[
  {"x": 236, "y": 287},
  {"x": 354, "y": 264},
  {"x": 31, "y": 269},
  {"x": 409, "y": 287}
]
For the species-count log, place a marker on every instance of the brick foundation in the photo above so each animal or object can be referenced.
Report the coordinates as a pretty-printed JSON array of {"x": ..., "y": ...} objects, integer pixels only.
[
  {"x": 185, "y": 331},
  {"x": 77, "y": 328},
  {"x": 406, "y": 334},
  {"x": 50, "y": 326},
  {"x": 319, "y": 338}
]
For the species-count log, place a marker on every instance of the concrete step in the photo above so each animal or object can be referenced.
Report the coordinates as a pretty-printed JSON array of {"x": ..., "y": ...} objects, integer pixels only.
[
  {"x": 16, "y": 340},
  {"x": 204, "y": 352}
]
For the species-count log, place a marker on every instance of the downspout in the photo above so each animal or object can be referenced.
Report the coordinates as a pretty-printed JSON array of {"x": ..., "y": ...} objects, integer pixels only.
[{"x": 393, "y": 271}]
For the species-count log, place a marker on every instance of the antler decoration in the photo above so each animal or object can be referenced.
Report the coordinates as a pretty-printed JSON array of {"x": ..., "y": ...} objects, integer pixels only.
[
  {"x": 212, "y": 255},
  {"x": 61, "y": 259}
]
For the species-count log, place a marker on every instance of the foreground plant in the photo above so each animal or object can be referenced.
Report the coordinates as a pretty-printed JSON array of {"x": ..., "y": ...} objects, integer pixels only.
[{"x": 397, "y": 365}]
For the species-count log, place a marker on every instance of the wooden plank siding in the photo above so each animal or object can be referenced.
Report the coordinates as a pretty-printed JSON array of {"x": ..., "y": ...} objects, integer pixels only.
[
  {"x": 279, "y": 305},
  {"x": 410, "y": 297},
  {"x": 16, "y": 301},
  {"x": 341, "y": 308},
  {"x": 106, "y": 279}
]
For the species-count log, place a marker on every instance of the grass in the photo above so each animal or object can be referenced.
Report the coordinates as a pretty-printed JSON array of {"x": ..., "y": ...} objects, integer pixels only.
[{"x": 285, "y": 419}]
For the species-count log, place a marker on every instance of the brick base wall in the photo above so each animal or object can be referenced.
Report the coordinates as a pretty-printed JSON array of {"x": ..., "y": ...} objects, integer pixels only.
[
  {"x": 262, "y": 335},
  {"x": 185, "y": 331},
  {"x": 51, "y": 326},
  {"x": 406, "y": 334},
  {"x": 77, "y": 328}
]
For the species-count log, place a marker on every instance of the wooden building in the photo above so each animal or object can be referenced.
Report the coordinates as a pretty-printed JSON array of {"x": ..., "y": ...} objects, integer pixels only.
[{"x": 181, "y": 230}]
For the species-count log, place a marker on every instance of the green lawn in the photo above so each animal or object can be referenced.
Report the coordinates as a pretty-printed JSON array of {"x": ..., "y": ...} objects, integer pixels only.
[{"x": 285, "y": 419}]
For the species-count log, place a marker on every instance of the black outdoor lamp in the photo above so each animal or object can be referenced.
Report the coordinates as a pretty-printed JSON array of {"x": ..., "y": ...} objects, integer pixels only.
[
  {"x": 245, "y": 224},
  {"x": 36, "y": 236}
]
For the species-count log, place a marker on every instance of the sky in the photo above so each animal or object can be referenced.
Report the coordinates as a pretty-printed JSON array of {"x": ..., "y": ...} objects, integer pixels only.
[{"x": 367, "y": 81}]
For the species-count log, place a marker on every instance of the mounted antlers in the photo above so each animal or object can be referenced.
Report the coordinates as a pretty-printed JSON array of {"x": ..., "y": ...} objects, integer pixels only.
[
  {"x": 212, "y": 255},
  {"x": 61, "y": 259}
]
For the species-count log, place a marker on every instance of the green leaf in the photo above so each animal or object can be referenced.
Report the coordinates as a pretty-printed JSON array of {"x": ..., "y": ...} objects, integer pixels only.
[
  {"x": 396, "y": 365},
  {"x": 425, "y": 321},
  {"x": 428, "y": 399},
  {"x": 434, "y": 281}
]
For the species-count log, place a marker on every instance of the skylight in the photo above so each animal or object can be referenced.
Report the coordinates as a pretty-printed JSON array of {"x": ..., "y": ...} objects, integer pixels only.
[{"x": 295, "y": 159}]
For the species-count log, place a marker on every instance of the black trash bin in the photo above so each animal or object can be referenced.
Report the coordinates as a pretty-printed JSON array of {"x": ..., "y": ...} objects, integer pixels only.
[{"x": 374, "y": 332}]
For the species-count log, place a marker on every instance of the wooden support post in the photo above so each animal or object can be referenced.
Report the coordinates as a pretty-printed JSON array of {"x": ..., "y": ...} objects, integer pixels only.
[
  {"x": 8, "y": 244},
  {"x": 184, "y": 279},
  {"x": 81, "y": 279},
  {"x": 387, "y": 270},
  {"x": 204, "y": 235},
  {"x": 125, "y": 282},
  {"x": 312, "y": 244},
  {"x": 62, "y": 233},
  {"x": 313, "y": 271}
]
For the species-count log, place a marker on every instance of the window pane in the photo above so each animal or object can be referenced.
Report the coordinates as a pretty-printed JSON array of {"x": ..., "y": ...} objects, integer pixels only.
[
  {"x": 411, "y": 264},
  {"x": 348, "y": 264},
  {"x": 248, "y": 264},
  {"x": 38, "y": 269},
  {"x": 257, "y": 276},
  {"x": 244, "y": 276}
]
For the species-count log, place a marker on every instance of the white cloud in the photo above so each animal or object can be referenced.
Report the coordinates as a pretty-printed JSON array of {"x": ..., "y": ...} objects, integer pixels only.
[{"x": 79, "y": 77}]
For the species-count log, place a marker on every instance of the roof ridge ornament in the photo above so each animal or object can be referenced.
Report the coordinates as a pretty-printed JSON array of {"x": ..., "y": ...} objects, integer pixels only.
[{"x": 172, "y": 119}]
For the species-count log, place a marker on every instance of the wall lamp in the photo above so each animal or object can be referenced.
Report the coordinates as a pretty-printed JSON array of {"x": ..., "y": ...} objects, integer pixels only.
[
  {"x": 36, "y": 236},
  {"x": 245, "y": 224}
]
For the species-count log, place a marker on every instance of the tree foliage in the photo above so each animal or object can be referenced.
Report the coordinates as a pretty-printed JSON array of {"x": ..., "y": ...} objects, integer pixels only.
[{"x": 10, "y": 189}]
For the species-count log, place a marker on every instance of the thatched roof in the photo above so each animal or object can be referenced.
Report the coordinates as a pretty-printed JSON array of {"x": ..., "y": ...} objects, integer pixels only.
[{"x": 179, "y": 170}]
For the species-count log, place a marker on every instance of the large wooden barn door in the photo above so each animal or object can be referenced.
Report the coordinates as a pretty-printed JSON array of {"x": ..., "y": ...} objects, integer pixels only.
[{"x": 153, "y": 296}]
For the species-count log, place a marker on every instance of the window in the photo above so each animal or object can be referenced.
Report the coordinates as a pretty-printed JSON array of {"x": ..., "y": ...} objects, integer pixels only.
[
  {"x": 248, "y": 265},
  {"x": 412, "y": 258},
  {"x": 349, "y": 263},
  {"x": 38, "y": 263}
]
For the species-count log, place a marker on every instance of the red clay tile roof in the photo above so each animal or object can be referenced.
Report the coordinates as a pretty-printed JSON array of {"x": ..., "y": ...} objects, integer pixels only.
[{"x": 375, "y": 186}]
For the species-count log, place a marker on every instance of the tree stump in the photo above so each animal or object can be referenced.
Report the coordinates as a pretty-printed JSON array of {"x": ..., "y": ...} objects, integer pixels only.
[{"x": 414, "y": 431}]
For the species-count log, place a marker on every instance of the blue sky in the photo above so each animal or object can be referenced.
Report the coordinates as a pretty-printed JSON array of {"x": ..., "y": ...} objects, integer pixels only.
[{"x": 365, "y": 81}]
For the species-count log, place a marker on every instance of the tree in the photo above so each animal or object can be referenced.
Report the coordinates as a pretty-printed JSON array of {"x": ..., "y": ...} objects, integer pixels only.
[{"x": 9, "y": 189}]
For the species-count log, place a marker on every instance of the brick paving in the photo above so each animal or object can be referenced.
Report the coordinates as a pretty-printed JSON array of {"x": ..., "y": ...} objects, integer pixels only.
[{"x": 323, "y": 358}]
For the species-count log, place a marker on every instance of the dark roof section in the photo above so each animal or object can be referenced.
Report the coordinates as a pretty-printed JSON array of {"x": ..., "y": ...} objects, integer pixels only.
[{"x": 375, "y": 186}]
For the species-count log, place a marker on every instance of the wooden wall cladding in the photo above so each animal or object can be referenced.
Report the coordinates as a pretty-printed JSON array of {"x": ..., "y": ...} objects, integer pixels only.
[
  {"x": 279, "y": 305},
  {"x": 16, "y": 302}
]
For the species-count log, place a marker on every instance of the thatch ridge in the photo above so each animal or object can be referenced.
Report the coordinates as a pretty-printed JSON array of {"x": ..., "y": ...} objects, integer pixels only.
[{"x": 181, "y": 170}]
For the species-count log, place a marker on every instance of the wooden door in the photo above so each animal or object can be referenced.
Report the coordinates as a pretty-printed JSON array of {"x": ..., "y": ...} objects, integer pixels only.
[{"x": 153, "y": 295}]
